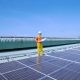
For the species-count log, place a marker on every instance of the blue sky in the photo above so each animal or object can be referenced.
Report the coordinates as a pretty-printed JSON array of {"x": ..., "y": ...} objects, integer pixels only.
[{"x": 55, "y": 18}]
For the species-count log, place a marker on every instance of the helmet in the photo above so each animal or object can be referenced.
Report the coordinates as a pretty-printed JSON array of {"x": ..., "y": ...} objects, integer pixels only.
[{"x": 39, "y": 32}]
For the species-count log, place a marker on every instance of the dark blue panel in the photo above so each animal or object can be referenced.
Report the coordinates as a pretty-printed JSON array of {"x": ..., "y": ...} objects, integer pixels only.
[
  {"x": 72, "y": 51},
  {"x": 78, "y": 60},
  {"x": 59, "y": 54},
  {"x": 45, "y": 67},
  {"x": 65, "y": 74},
  {"x": 78, "y": 47},
  {"x": 27, "y": 62},
  {"x": 5, "y": 67},
  {"x": 66, "y": 55},
  {"x": 23, "y": 74},
  {"x": 42, "y": 58},
  {"x": 59, "y": 62},
  {"x": 46, "y": 58},
  {"x": 33, "y": 60},
  {"x": 2, "y": 78},
  {"x": 74, "y": 67},
  {"x": 46, "y": 78},
  {"x": 73, "y": 57}
]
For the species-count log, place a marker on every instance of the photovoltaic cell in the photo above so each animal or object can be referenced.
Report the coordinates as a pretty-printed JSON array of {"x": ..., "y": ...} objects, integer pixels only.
[
  {"x": 78, "y": 60},
  {"x": 72, "y": 51},
  {"x": 23, "y": 74},
  {"x": 52, "y": 66},
  {"x": 78, "y": 47},
  {"x": 65, "y": 74},
  {"x": 72, "y": 57},
  {"x": 47, "y": 78},
  {"x": 59, "y": 54},
  {"x": 74, "y": 67},
  {"x": 32, "y": 61},
  {"x": 9, "y": 66},
  {"x": 43, "y": 58},
  {"x": 27, "y": 62},
  {"x": 45, "y": 68},
  {"x": 46, "y": 58},
  {"x": 2, "y": 78},
  {"x": 59, "y": 62},
  {"x": 69, "y": 56}
]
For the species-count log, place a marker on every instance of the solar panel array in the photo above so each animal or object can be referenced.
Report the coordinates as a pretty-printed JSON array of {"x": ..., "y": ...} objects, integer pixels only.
[{"x": 64, "y": 65}]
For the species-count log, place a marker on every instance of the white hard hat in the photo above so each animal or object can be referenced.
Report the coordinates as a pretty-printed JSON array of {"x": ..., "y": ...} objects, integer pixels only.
[{"x": 39, "y": 32}]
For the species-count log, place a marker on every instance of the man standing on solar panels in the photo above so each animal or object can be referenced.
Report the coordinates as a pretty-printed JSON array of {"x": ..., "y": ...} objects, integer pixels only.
[{"x": 39, "y": 41}]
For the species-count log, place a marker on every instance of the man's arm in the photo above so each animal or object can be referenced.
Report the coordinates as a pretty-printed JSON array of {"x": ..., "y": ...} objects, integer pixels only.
[{"x": 43, "y": 39}]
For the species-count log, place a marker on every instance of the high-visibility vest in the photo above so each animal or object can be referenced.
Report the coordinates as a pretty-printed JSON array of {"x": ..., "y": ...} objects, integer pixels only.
[{"x": 38, "y": 38}]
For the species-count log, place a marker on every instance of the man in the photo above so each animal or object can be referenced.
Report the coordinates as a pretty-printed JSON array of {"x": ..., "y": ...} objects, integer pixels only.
[{"x": 39, "y": 40}]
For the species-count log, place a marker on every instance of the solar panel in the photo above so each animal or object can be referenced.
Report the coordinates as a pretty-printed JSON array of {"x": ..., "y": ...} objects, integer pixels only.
[
  {"x": 74, "y": 67},
  {"x": 73, "y": 51},
  {"x": 42, "y": 58},
  {"x": 46, "y": 58},
  {"x": 46, "y": 78},
  {"x": 69, "y": 56},
  {"x": 45, "y": 67},
  {"x": 27, "y": 62},
  {"x": 59, "y": 62},
  {"x": 73, "y": 57},
  {"x": 23, "y": 74},
  {"x": 78, "y": 60},
  {"x": 61, "y": 68},
  {"x": 33, "y": 60},
  {"x": 2, "y": 78},
  {"x": 65, "y": 74},
  {"x": 59, "y": 54},
  {"x": 9, "y": 66}
]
